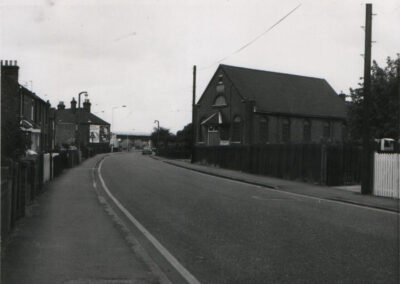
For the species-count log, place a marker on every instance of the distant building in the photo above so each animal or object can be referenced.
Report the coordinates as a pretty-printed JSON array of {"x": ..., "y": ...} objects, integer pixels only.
[
  {"x": 247, "y": 106},
  {"x": 127, "y": 141},
  {"x": 78, "y": 126},
  {"x": 24, "y": 109}
]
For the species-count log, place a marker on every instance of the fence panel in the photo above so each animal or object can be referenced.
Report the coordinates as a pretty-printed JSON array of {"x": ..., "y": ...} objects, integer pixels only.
[
  {"x": 46, "y": 167},
  {"x": 325, "y": 164},
  {"x": 387, "y": 175}
]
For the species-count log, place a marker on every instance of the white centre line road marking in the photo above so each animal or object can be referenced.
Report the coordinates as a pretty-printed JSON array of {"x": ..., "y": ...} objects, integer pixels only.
[{"x": 168, "y": 256}]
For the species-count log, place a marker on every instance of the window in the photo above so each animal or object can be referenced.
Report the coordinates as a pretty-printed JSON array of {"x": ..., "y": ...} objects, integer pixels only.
[
  {"x": 344, "y": 131},
  {"x": 32, "y": 112},
  {"x": 213, "y": 128},
  {"x": 263, "y": 129},
  {"x": 220, "y": 101},
  {"x": 200, "y": 132},
  {"x": 307, "y": 131},
  {"x": 285, "y": 130},
  {"x": 237, "y": 129},
  {"x": 327, "y": 129}
]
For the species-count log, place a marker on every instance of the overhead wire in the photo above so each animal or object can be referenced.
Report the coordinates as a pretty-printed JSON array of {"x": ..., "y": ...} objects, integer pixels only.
[{"x": 255, "y": 39}]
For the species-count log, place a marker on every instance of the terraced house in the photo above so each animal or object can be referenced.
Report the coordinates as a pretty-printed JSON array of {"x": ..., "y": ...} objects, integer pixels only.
[
  {"x": 247, "y": 106},
  {"x": 24, "y": 109}
]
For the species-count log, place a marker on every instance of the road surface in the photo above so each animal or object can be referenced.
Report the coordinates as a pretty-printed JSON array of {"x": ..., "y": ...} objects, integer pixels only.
[{"x": 224, "y": 231}]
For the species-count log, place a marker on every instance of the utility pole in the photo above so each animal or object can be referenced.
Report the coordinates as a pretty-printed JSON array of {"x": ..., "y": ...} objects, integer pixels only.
[
  {"x": 366, "y": 182},
  {"x": 398, "y": 101},
  {"x": 194, "y": 114},
  {"x": 158, "y": 132}
]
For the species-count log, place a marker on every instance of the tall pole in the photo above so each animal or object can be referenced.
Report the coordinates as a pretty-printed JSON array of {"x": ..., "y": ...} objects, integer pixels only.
[
  {"x": 79, "y": 98},
  {"x": 366, "y": 183},
  {"x": 78, "y": 140},
  {"x": 158, "y": 132},
  {"x": 194, "y": 114},
  {"x": 398, "y": 101},
  {"x": 112, "y": 124}
]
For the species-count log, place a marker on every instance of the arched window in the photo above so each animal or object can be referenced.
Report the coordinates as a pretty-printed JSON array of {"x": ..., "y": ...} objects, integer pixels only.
[
  {"x": 263, "y": 129},
  {"x": 327, "y": 129},
  {"x": 237, "y": 129},
  {"x": 344, "y": 131},
  {"x": 286, "y": 130},
  {"x": 220, "y": 101},
  {"x": 200, "y": 130},
  {"x": 307, "y": 131}
]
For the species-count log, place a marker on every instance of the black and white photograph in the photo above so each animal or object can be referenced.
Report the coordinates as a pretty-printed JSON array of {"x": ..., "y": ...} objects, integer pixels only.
[{"x": 200, "y": 141}]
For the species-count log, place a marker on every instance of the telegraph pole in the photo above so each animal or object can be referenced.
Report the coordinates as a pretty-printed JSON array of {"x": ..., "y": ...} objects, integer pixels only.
[
  {"x": 398, "y": 101},
  {"x": 366, "y": 183},
  {"x": 194, "y": 114}
]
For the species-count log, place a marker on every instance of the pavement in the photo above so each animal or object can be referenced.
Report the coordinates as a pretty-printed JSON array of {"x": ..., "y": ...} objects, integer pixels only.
[
  {"x": 346, "y": 194},
  {"x": 70, "y": 236}
]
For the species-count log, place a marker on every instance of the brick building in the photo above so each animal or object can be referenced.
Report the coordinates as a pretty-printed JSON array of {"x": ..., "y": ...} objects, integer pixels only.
[
  {"x": 78, "y": 126},
  {"x": 23, "y": 109},
  {"x": 247, "y": 106}
]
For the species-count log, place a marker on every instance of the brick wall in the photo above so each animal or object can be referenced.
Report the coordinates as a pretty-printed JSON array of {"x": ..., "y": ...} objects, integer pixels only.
[{"x": 237, "y": 106}]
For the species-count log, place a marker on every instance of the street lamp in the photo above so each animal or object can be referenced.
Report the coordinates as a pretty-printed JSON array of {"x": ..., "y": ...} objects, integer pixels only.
[
  {"x": 77, "y": 118},
  {"x": 158, "y": 131},
  {"x": 112, "y": 119},
  {"x": 127, "y": 140},
  {"x": 112, "y": 124},
  {"x": 79, "y": 97}
]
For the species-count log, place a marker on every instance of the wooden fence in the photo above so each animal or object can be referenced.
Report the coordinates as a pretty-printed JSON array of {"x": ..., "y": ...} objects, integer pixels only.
[
  {"x": 22, "y": 180},
  {"x": 316, "y": 163},
  {"x": 387, "y": 175}
]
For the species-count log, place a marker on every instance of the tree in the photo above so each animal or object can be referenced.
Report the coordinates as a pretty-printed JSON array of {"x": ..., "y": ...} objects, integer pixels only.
[
  {"x": 185, "y": 136},
  {"x": 384, "y": 102},
  {"x": 161, "y": 137}
]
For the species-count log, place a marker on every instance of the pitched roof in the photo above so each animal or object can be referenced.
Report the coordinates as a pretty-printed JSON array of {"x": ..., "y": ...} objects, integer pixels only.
[
  {"x": 25, "y": 91},
  {"x": 67, "y": 115},
  {"x": 285, "y": 93}
]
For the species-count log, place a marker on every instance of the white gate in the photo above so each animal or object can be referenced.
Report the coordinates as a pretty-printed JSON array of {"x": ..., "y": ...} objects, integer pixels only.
[
  {"x": 387, "y": 175},
  {"x": 46, "y": 167}
]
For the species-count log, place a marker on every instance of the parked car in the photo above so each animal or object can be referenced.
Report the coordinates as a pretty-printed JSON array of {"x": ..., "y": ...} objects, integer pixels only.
[{"x": 147, "y": 151}]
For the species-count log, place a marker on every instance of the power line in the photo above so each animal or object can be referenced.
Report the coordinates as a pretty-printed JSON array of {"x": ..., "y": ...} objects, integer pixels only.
[{"x": 255, "y": 39}]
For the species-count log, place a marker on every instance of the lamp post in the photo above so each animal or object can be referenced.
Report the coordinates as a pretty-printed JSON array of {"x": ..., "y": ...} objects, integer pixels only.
[
  {"x": 112, "y": 113},
  {"x": 127, "y": 140},
  {"x": 112, "y": 124},
  {"x": 79, "y": 97},
  {"x": 158, "y": 131},
  {"x": 77, "y": 117}
]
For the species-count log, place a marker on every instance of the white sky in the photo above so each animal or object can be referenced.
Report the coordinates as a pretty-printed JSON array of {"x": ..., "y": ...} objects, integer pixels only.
[{"x": 140, "y": 53}]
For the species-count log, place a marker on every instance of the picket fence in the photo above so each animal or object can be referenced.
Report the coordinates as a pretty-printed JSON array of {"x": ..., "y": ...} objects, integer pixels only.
[{"x": 387, "y": 175}]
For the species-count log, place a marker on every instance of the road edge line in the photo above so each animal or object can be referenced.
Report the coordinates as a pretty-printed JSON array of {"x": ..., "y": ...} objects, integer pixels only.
[
  {"x": 161, "y": 249},
  {"x": 278, "y": 189}
]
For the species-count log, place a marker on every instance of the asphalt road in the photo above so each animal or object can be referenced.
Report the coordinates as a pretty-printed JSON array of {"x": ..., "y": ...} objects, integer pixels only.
[{"x": 224, "y": 231}]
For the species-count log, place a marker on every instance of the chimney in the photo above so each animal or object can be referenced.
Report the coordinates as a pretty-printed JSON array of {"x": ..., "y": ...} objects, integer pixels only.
[
  {"x": 61, "y": 105},
  {"x": 9, "y": 68},
  {"x": 73, "y": 105},
  {"x": 86, "y": 105}
]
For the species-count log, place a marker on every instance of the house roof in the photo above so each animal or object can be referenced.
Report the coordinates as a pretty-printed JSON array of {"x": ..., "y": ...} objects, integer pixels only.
[
  {"x": 68, "y": 116},
  {"x": 25, "y": 91},
  {"x": 285, "y": 93}
]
